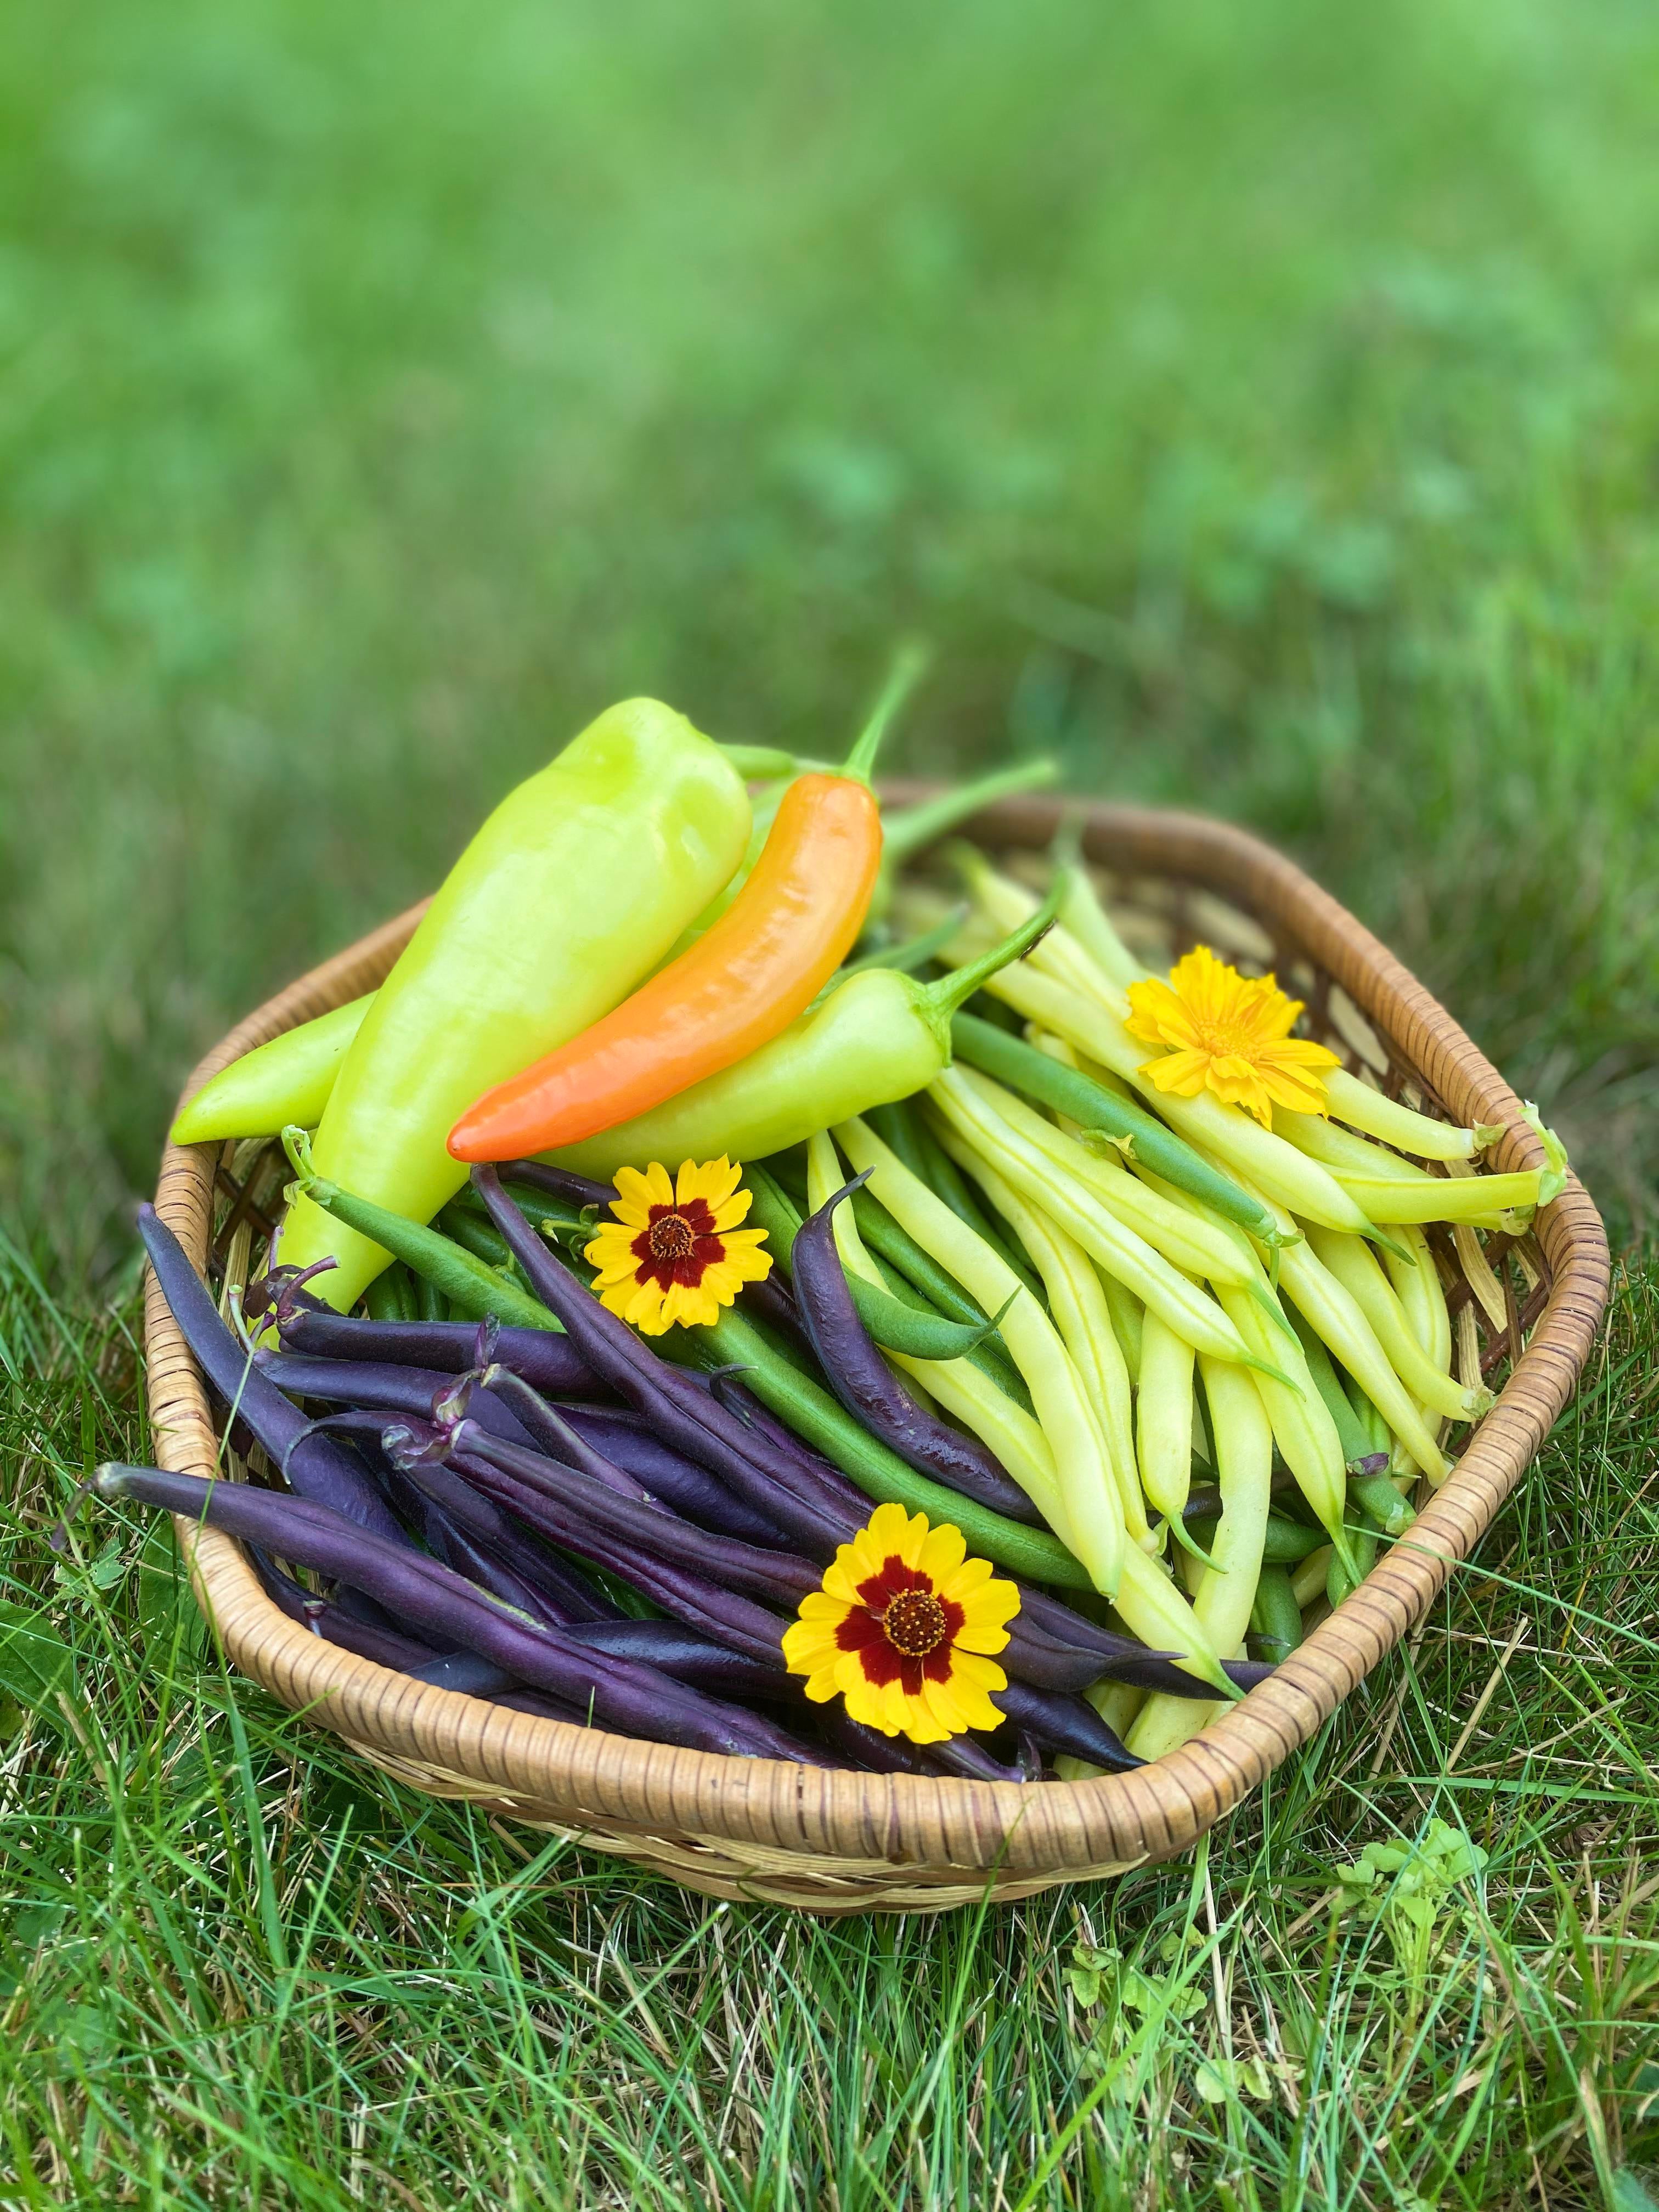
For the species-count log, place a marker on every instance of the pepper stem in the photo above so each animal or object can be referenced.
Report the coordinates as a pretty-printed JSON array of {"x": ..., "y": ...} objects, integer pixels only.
[
  {"x": 909, "y": 664},
  {"x": 941, "y": 999}
]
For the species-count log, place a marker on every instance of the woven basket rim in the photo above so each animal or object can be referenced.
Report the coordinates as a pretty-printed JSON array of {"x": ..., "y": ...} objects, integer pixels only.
[{"x": 838, "y": 1827}]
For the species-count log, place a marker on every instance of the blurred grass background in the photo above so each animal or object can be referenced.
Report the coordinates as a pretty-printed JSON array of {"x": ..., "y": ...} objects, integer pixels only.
[
  {"x": 1257, "y": 406},
  {"x": 1260, "y": 407}
]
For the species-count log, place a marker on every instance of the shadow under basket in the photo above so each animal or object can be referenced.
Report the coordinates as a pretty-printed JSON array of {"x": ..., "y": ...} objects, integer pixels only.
[{"x": 1525, "y": 1313}]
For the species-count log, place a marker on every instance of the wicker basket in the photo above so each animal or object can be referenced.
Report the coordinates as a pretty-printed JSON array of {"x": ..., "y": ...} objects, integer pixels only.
[{"x": 837, "y": 1842}]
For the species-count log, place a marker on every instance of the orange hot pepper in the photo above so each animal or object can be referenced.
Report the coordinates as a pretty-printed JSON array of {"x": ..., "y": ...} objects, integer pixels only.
[{"x": 741, "y": 984}]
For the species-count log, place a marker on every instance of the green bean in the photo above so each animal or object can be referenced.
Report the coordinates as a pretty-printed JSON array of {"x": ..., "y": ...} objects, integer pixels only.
[
  {"x": 473, "y": 1288},
  {"x": 1275, "y": 1617},
  {"x": 805, "y": 1406},
  {"x": 1128, "y": 1319},
  {"x": 1283, "y": 1543},
  {"x": 390, "y": 1295},
  {"x": 1343, "y": 1577},
  {"x": 430, "y": 1303},
  {"x": 1380, "y": 1500}
]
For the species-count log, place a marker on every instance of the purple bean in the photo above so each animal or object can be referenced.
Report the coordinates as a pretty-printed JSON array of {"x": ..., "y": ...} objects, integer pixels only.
[
  {"x": 559, "y": 1182},
  {"x": 335, "y": 1624},
  {"x": 866, "y": 1386},
  {"x": 687, "y": 1596},
  {"x": 315, "y": 1467},
  {"x": 628, "y": 1441},
  {"x": 381, "y": 1388},
  {"x": 1063, "y": 1723},
  {"x": 639, "y": 1700},
  {"x": 783, "y": 1485},
  {"x": 550, "y": 1362},
  {"x": 689, "y": 1657}
]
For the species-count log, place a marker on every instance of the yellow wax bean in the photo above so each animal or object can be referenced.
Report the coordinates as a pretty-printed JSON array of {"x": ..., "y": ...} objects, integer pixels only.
[
  {"x": 1339, "y": 1149},
  {"x": 1060, "y": 954},
  {"x": 1308, "y": 1581},
  {"x": 1186, "y": 1239},
  {"x": 1157, "y": 1613},
  {"x": 1089, "y": 1521},
  {"x": 1423, "y": 1296},
  {"x": 1358, "y": 1104},
  {"x": 1226, "y": 1132},
  {"x": 1337, "y": 1320},
  {"x": 1036, "y": 1234},
  {"x": 1160, "y": 1287},
  {"x": 1354, "y": 1266},
  {"x": 1244, "y": 1451},
  {"x": 1078, "y": 1305},
  {"x": 1164, "y": 1432},
  {"x": 1302, "y": 1424},
  {"x": 1477, "y": 1198}
]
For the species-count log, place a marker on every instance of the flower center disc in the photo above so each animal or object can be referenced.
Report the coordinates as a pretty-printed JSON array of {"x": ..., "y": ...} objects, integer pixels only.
[
  {"x": 915, "y": 1623},
  {"x": 671, "y": 1237}
]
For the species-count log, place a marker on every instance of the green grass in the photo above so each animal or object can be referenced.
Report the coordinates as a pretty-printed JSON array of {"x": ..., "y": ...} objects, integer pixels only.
[{"x": 1257, "y": 407}]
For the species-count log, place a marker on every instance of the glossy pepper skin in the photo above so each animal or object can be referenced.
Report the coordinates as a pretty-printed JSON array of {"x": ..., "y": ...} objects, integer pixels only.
[
  {"x": 745, "y": 979},
  {"x": 568, "y": 896},
  {"x": 878, "y": 1036},
  {"x": 290, "y": 1079}
]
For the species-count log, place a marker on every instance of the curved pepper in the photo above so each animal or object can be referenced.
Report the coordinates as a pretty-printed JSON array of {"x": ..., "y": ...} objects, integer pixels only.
[
  {"x": 879, "y": 1035},
  {"x": 762, "y": 963},
  {"x": 758, "y": 963},
  {"x": 566, "y": 897},
  {"x": 290, "y": 1079}
]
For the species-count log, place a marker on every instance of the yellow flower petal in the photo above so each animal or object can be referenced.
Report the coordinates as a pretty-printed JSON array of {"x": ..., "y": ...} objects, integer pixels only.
[
  {"x": 733, "y": 1210},
  {"x": 943, "y": 1551}
]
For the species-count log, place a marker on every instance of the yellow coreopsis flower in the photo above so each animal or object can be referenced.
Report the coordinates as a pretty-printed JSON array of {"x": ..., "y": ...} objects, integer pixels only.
[
  {"x": 902, "y": 1629},
  {"x": 1230, "y": 1034},
  {"x": 675, "y": 1253}
]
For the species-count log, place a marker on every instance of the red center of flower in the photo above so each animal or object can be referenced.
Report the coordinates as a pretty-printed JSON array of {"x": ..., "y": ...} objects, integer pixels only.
[
  {"x": 677, "y": 1244},
  {"x": 903, "y": 1629}
]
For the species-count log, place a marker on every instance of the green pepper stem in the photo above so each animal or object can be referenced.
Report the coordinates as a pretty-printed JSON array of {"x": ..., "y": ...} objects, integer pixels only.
[
  {"x": 941, "y": 999},
  {"x": 916, "y": 827},
  {"x": 909, "y": 664}
]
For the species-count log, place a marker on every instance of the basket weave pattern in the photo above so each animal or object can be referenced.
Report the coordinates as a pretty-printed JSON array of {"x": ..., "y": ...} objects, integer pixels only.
[{"x": 837, "y": 1842}]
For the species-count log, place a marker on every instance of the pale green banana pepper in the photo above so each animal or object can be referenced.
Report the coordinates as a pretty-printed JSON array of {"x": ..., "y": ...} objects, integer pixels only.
[
  {"x": 290, "y": 1079},
  {"x": 567, "y": 897}
]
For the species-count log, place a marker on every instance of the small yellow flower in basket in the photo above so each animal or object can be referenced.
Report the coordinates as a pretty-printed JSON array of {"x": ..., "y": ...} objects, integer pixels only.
[{"x": 1230, "y": 1034}]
